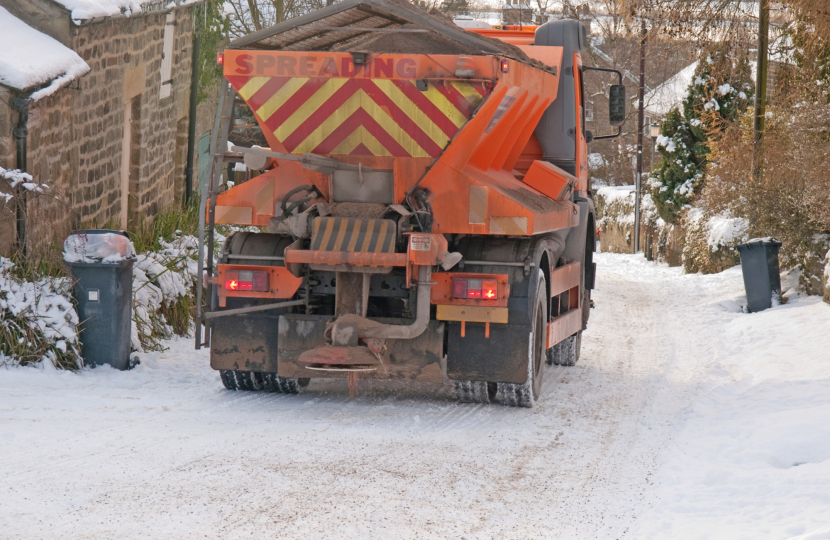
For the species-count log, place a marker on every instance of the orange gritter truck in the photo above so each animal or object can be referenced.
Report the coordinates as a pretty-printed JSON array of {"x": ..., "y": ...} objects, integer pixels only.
[{"x": 424, "y": 205}]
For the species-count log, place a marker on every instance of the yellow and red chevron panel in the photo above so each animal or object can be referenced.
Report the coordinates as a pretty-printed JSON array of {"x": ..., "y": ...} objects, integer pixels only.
[{"x": 394, "y": 105}]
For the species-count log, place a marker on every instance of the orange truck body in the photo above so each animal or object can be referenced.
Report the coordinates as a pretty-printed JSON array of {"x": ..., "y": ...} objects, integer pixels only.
[
  {"x": 470, "y": 141},
  {"x": 484, "y": 168}
]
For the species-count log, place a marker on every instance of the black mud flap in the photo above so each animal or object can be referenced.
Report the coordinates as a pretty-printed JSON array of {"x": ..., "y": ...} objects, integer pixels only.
[
  {"x": 500, "y": 358},
  {"x": 245, "y": 343}
]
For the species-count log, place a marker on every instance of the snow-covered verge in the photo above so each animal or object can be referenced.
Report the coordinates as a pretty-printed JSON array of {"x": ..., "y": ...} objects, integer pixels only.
[
  {"x": 38, "y": 322},
  {"x": 162, "y": 282},
  {"x": 700, "y": 242},
  {"x": 752, "y": 456},
  {"x": 31, "y": 58}
]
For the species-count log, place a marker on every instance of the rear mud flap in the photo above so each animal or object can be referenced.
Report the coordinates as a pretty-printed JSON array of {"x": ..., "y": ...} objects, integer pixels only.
[
  {"x": 415, "y": 359},
  {"x": 500, "y": 358},
  {"x": 245, "y": 343}
]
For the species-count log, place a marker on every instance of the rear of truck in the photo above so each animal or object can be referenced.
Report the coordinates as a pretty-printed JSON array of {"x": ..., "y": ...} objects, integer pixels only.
[{"x": 423, "y": 216}]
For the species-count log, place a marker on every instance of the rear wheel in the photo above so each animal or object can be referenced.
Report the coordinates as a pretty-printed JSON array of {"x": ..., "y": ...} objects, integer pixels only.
[
  {"x": 475, "y": 391},
  {"x": 228, "y": 379},
  {"x": 285, "y": 385},
  {"x": 566, "y": 352},
  {"x": 525, "y": 395}
]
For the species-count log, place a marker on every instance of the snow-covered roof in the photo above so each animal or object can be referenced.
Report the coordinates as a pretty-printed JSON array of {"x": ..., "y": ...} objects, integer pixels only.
[
  {"x": 32, "y": 59},
  {"x": 91, "y": 9},
  {"x": 671, "y": 93},
  {"x": 469, "y": 22}
]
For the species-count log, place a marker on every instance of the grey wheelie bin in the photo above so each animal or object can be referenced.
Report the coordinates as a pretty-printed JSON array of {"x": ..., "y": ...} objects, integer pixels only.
[
  {"x": 762, "y": 280},
  {"x": 102, "y": 268}
]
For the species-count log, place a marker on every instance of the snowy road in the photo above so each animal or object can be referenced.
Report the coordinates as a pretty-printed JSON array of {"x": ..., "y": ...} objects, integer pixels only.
[{"x": 165, "y": 452}]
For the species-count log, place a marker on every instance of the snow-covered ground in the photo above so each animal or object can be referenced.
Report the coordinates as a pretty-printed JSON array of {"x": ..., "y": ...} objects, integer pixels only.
[{"x": 685, "y": 418}]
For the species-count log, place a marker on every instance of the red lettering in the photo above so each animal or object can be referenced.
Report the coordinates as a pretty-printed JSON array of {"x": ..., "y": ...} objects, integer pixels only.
[
  {"x": 329, "y": 67},
  {"x": 307, "y": 65},
  {"x": 285, "y": 65},
  {"x": 406, "y": 68},
  {"x": 384, "y": 68},
  {"x": 263, "y": 62},
  {"x": 347, "y": 68},
  {"x": 243, "y": 64}
]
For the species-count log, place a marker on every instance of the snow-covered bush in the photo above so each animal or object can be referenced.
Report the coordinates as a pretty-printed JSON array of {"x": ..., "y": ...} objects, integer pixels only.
[
  {"x": 37, "y": 321},
  {"x": 163, "y": 292}
]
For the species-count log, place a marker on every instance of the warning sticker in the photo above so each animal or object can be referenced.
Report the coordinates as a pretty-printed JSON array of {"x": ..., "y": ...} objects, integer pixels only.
[{"x": 420, "y": 243}]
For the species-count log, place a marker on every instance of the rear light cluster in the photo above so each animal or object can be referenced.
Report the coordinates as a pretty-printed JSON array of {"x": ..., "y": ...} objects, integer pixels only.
[
  {"x": 478, "y": 289},
  {"x": 246, "y": 280}
]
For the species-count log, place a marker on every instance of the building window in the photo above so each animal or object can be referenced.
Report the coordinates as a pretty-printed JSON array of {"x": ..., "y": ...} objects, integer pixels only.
[{"x": 167, "y": 56}]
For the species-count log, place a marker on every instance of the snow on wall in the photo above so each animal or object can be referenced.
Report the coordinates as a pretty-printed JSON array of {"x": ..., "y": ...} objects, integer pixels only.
[
  {"x": 31, "y": 58},
  {"x": 615, "y": 193},
  {"x": 722, "y": 231},
  {"x": 726, "y": 231},
  {"x": 89, "y": 9}
]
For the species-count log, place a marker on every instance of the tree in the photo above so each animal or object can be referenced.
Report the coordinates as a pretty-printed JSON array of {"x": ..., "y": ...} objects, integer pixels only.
[
  {"x": 721, "y": 89},
  {"x": 211, "y": 29}
]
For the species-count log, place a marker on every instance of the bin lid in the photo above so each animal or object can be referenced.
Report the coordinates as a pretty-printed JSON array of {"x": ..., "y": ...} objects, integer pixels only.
[
  {"x": 97, "y": 246},
  {"x": 759, "y": 242}
]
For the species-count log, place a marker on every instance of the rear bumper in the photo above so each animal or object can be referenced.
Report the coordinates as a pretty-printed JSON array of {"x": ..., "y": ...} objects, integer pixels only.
[{"x": 344, "y": 258}]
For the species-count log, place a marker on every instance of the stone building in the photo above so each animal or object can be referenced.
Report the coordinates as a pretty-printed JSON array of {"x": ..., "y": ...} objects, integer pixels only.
[
  {"x": 516, "y": 12},
  {"x": 108, "y": 135}
]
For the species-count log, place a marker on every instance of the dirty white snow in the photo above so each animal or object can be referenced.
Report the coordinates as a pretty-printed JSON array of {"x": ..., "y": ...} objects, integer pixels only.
[
  {"x": 685, "y": 418},
  {"x": 90, "y": 9},
  {"x": 31, "y": 58}
]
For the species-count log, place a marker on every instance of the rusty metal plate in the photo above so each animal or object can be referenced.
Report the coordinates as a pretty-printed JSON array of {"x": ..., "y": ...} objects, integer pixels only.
[{"x": 414, "y": 359}]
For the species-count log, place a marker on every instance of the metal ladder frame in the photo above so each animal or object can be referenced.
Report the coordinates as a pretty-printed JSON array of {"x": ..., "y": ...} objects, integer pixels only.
[{"x": 218, "y": 149}]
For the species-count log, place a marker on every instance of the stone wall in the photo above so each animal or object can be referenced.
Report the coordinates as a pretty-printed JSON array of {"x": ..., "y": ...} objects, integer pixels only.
[{"x": 76, "y": 135}]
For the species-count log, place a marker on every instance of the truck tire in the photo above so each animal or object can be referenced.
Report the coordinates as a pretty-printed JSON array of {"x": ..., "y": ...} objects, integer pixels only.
[
  {"x": 474, "y": 391},
  {"x": 284, "y": 385},
  {"x": 525, "y": 395},
  {"x": 566, "y": 352},
  {"x": 249, "y": 380},
  {"x": 228, "y": 379}
]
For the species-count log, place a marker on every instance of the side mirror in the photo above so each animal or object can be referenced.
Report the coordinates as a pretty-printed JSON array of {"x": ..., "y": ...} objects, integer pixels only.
[
  {"x": 589, "y": 137},
  {"x": 616, "y": 105}
]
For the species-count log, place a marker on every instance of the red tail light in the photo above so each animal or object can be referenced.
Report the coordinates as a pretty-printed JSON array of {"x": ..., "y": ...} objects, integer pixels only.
[
  {"x": 459, "y": 288},
  {"x": 486, "y": 289},
  {"x": 246, "y": 280},
  {"x": 505, "y": 66},
  {"x": 473, "y": 288},
  {"x": 489, "y": 289}
]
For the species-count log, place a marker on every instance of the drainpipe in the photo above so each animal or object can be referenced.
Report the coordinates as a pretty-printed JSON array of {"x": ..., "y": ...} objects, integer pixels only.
[
  {"x": 21, "y": 133},
  {"x": 191, "y": 125}
]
